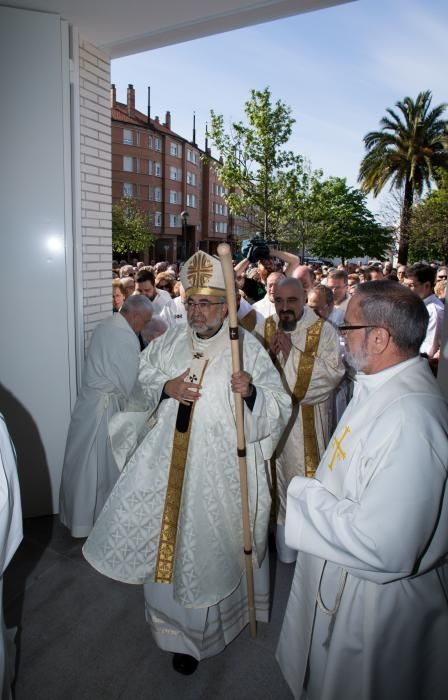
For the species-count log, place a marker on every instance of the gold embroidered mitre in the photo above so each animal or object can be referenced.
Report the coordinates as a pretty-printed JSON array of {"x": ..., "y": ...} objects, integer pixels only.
[{"x": 202, "y": 274}]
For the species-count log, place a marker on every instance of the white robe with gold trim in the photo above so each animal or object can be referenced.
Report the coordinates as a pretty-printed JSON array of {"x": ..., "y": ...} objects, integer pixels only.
[
  {"x": 209, "y": 562},
  {"x": 328, "y": 370}
]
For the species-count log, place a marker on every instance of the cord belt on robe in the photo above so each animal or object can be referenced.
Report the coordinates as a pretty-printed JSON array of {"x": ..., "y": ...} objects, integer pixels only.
[{"x": 168, "y": 532}]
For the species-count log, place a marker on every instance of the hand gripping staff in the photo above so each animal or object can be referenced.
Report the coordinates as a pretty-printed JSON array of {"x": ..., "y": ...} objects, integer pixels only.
[{"x": 229, "y": 279}]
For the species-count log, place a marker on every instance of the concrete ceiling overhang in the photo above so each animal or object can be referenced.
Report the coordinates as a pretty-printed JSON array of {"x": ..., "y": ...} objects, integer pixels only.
[{"x": 124, "y": 27}]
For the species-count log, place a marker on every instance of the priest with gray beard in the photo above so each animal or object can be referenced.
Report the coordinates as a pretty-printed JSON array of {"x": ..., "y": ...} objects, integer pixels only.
[{"x": 367, "y": 615}]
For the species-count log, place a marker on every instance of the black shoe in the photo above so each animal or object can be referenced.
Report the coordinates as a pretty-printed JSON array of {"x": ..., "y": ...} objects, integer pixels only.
[{"x": 185, "y": 664}]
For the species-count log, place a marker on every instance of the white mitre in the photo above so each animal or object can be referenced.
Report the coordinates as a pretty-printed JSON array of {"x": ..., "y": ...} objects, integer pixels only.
[{"x": 202, "y": 274}]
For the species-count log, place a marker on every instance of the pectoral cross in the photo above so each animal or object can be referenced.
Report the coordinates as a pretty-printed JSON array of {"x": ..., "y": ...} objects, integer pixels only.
[{"x": 338, "y": 451}]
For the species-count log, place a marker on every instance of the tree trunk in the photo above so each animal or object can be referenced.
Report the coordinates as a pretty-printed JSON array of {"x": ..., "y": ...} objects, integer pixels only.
[{"x": 405, "y": 222}]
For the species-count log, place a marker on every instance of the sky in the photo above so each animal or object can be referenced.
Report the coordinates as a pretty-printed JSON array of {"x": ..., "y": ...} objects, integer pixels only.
[{"x": 338, "y": 69}]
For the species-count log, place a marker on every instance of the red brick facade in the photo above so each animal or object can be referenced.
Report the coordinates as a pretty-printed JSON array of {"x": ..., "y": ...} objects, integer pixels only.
[{"x": 168, "y": 176}]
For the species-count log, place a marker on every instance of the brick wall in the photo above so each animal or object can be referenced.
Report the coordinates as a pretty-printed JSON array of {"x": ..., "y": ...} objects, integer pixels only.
[{"x": 96, "y": 185}]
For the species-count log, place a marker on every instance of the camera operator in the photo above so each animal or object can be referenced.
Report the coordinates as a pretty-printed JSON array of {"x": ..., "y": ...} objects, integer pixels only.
[{"x": 263, "y": 255}]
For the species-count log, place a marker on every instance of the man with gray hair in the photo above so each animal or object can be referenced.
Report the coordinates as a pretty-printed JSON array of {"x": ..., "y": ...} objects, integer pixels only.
[
  {"x": 266, "y": 306},
  {"x": 154, "y": 328},
  {"x": 370, "y": 584},
  {"x": 110, "y": 372}
]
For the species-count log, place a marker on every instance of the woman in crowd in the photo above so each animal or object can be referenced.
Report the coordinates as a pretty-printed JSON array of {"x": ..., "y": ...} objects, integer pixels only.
[
  {"x": 165, "y": 281},
  {"x": 118, "y": 295}
]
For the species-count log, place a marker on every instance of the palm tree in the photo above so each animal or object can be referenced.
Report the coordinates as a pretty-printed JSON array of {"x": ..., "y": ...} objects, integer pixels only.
[{"x": 412, "y": 142}]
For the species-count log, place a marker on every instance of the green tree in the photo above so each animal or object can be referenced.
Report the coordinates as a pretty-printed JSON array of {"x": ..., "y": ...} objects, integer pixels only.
[
  {"x": 297, "y": 232},
  {"x": 262, "y": 178},
  {"x": 429, "y": 224},
  {"x": 130, "y": 228},
  {"x": 341, "y": 223},
  {"x": 410, "y": 145}
]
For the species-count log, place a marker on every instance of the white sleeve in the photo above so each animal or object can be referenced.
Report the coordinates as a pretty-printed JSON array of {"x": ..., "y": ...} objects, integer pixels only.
[
  {"x": 383, "y": 534},
  {"x": 10, "y": 505}
]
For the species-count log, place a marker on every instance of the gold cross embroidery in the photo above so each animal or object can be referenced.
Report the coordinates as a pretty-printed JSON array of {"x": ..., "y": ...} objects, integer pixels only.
[
  {"x": 338, "y": 451},
  {"x": 200, "y": 270}
]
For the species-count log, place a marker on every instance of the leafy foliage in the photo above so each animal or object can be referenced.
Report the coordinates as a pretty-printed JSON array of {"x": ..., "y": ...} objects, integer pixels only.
[
  {"x": 429, "y": 224},
  {"x": 341, "y": 223},
  {"x": 262, "y": 178},
  {"x": 130, "y": 227},
  {"x": 412, "y": 142}
]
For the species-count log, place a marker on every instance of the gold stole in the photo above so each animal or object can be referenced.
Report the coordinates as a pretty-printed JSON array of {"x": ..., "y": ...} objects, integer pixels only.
[
  {"x": 304, "y": 372},
  {"x": 168, "y": 532},
  {"x": 249, "y": 321},
  {"x": 269, "y": 329}
]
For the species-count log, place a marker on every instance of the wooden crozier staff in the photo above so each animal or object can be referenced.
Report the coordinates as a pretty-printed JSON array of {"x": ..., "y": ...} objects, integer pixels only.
[{"x": 229, "y": 280}]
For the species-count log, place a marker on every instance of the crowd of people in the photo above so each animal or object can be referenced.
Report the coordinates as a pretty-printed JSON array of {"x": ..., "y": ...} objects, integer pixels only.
[
  {"x": 255, "y": 282},
  {"x": 346, "y": 448}
]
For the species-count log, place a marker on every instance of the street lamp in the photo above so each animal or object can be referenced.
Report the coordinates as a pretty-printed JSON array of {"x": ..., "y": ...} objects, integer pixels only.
[{"x": 184, "y": 216}]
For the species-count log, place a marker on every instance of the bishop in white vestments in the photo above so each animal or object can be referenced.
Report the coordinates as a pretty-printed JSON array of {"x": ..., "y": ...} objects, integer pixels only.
[
  {"x": 367, "y": 616},
  {"x": 173, "y": 521}
]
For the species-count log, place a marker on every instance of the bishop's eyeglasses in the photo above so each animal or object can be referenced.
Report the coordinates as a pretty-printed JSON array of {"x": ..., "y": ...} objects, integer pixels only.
[{"x": 202, "y": 305}]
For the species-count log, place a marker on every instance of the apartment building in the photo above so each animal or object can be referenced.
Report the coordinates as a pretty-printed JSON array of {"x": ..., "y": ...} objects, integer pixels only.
[{"x": 173, "y": 184}]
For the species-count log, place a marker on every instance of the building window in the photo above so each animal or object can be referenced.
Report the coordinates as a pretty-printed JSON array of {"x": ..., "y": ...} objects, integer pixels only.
[
  {"x": 175, "y": 149},
  {"x": 128, "y": 164},
  {"x": 158, "y": 218},
  {"x": 192, "y": 156},
  {"x": 128, "y": 137},
  {"x": 149, "y": 141},
  {"x": 128, "y": 189},
  {"x": 131, "y": 165},
  {"x": 175, "y": 173},
  {"x": 174, "y": 221},
  {"x": 157, "y": 143},
  {"x": 191, "y": 178},
  {"x": 220, "y": 190},
  {"x": 220, "y": 227},
  {"x": 157, "y": 194},
  {"x": 220, "y": 208},
  {"x": 157, "y": 169},
  {"x": 191, "y": 200},
  {"x": 150, "y": 168},
  {"x": 175, "y": 197}
]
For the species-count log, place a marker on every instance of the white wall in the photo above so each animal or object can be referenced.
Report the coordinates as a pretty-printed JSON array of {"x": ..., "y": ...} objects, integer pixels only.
[
  {"x": 37, "y": 379},
  {"x": 95, "y": 184},
  {"x": 55, "y": 232}
]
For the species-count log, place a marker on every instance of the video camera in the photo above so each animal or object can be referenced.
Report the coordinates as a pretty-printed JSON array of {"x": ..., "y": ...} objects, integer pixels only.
[{"x": 257, "y": 248}]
